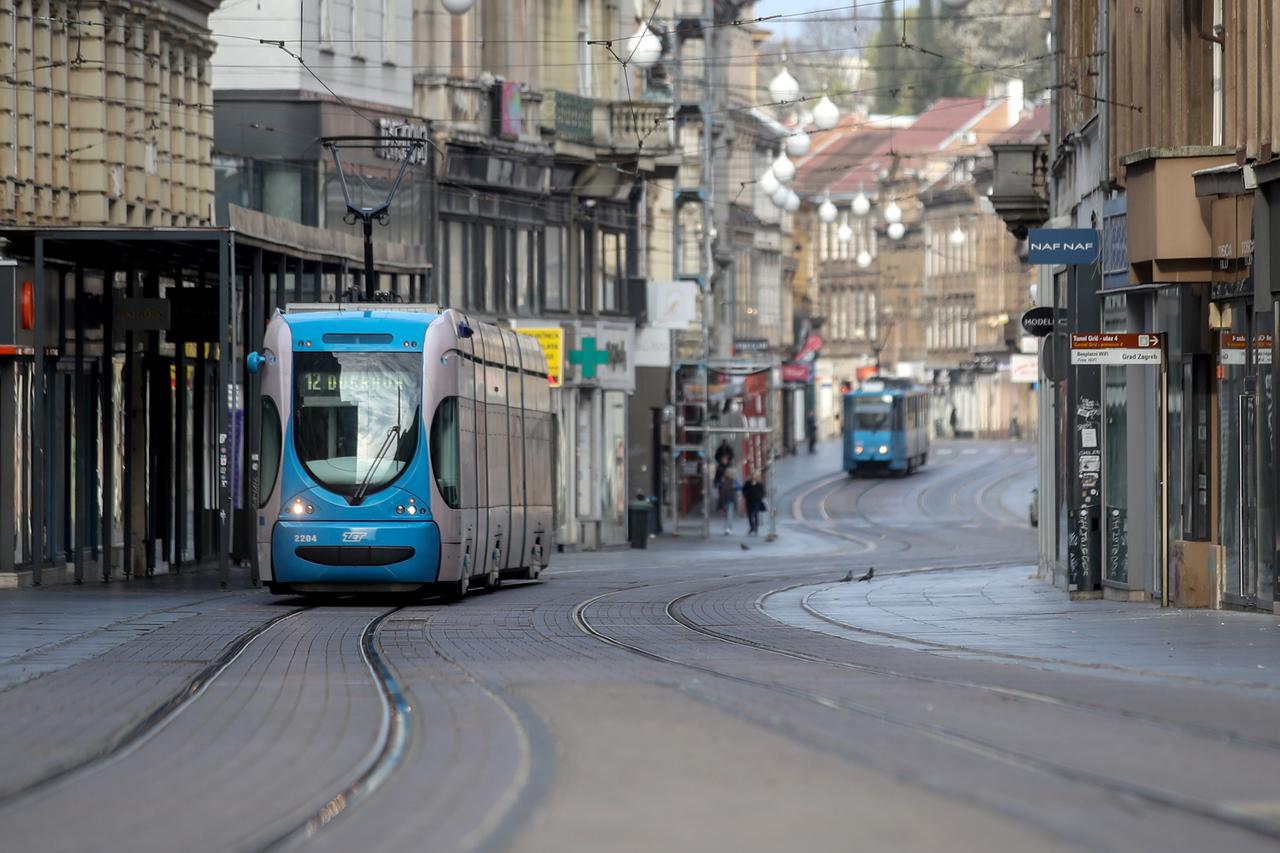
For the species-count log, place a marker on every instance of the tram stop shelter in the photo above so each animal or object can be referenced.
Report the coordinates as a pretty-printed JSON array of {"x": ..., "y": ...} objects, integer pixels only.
[{"x": 128, "y": 424}]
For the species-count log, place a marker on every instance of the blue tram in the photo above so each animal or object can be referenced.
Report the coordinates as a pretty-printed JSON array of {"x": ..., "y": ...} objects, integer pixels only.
[
  {"x": 401, "y": 450},
  {"x": 885, "y": 427}
]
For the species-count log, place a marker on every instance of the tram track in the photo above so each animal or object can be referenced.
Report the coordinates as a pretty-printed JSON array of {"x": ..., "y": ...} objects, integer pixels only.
[
  {"x": 387, "y": 752},
  {"x": 942, "y": 734},
  {"x": 152, "y": 723},
  {"x": 386, "y": 755}
]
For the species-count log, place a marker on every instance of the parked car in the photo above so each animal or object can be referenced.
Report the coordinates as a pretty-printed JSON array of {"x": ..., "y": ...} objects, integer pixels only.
[{"x": 1033, "y": 511}]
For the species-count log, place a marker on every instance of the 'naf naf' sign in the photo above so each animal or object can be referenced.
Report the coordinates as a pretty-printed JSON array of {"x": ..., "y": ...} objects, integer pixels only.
[{"x": 1062, "y": 245}]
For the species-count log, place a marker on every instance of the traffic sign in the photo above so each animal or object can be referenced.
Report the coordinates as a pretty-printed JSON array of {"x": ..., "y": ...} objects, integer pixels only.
[
  {"x": 1039, "y": 321},
  {"x": 1123, "y": 349}
]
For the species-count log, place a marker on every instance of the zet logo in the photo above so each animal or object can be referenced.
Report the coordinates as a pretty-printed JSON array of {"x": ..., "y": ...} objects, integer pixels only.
[{"x": 354, "y": 535}]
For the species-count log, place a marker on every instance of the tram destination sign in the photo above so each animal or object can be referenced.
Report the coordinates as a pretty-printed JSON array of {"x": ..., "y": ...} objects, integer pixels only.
[{"x": 1117, "y": 349}]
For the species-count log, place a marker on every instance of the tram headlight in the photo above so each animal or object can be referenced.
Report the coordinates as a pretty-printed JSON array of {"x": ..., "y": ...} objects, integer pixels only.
[
  {"x": 298, "y": 508},
  {"x": 883, "y": 450},
  {"x": 399, "y": 509},
  {"x": 413, "y": 510},
  {"x": 857, "y": 448}
]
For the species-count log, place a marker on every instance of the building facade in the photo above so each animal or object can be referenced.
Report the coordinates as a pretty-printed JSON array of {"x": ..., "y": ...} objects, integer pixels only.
[{"x": 1162, "y": 483}]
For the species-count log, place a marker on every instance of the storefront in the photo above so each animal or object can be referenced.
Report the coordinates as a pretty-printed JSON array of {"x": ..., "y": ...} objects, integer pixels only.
[{"x": 283, "y": 176}]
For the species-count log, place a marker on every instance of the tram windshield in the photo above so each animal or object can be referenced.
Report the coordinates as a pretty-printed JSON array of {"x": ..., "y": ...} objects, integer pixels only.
[
  {"x": 871, "y": 416},
  {"x": 355, "y": 417}
]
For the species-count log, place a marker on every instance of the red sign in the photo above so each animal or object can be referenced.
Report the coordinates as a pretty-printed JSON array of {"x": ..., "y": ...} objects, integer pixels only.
[
  {"x": 796, "y": 372},
  {"x": 809, "y": 351}
]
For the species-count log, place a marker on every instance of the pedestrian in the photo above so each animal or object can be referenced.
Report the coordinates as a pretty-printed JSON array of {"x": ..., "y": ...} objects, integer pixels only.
[
  {"x": 811, "y": 430},
  {"x": 724, "y": 458},
  {"x": 955, "y": 421},
  {"x": 728, "y": 494},
  {"x": 753, "y": 497}
]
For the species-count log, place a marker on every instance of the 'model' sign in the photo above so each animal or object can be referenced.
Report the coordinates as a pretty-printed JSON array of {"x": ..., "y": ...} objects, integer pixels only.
[
  {"x": 1062, "y": 245},
  {"x": 1038, "y": 321}
]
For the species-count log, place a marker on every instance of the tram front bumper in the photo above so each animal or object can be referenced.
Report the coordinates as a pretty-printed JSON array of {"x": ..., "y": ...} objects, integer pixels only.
[{"x": 340, "y": 552}]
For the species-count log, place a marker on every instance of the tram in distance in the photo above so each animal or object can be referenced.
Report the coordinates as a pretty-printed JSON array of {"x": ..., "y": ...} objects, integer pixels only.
[
  {"x": 885, "y": 425},
  {"x": 402, "y": 451}
]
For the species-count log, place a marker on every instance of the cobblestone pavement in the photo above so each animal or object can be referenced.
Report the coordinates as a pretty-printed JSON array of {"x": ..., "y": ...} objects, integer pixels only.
[{"x": 693, "y": 695}]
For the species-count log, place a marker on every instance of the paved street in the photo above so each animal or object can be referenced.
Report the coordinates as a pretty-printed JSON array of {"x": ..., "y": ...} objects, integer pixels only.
[{"x": 689, "y": 696}]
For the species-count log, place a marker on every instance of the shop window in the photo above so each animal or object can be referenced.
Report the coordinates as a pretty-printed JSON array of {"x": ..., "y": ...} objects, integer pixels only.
[
  {"x": 523, "y": 270},
  {"x": 556, "y": 280},
  {"x": 612, "y": 266},
  {"x": 588, "y": 272},
  {"x": 455, "y": 263}
]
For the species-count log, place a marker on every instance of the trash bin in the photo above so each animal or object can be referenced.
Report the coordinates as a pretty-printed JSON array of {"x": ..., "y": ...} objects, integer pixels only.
[{"x": 639, "y": 515}]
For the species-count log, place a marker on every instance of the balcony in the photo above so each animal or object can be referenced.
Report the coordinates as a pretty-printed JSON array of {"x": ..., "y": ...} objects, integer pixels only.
[
  {"x": 619, "y": 126},
  {"x": 645, "y": 125},
  {"x": 478, "y": 107},
  {"x": 1019, "y": 192}
]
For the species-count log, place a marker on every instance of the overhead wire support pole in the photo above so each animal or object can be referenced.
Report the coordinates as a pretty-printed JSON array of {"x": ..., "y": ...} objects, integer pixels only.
[{"x": 367, "y": 215}]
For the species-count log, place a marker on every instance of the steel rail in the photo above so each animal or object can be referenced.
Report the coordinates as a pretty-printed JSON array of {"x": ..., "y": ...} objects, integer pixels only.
[
  {"x": 155, "y": 721},
  {"x": 387, "y": 753},
  {"x": 943, "y": 734}
]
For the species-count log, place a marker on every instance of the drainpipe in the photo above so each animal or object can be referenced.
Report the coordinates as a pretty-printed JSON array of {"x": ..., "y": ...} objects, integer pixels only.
[{"x": 1219, "y": 95}]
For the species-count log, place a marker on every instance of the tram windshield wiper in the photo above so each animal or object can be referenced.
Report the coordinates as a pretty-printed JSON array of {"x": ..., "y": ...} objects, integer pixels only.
[{"x": 392, "y": 435}]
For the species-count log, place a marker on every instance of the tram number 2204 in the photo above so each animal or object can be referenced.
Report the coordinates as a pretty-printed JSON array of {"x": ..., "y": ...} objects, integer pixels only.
[{"x": 304, "y": 537}]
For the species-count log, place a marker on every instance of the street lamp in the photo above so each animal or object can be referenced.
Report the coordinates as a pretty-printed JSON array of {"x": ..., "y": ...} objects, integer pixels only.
[
  {"x": 769, "y": 183},
  {"x": 826, "y": 114},
  {"x": 896, "y": 230},
  {"x": 861, "y": 204},
  {"x": 864, "y": 259},
  {"x": 957, "y": 236},
  {"x": 783, "y": 88},
  {"x": 844, "y": 233},
  {"x": 798, "y": 143},
  {"x": 783, "y": 169},
  {"x": 827, "y": 211},
  {"x": 893, "y": 213}
]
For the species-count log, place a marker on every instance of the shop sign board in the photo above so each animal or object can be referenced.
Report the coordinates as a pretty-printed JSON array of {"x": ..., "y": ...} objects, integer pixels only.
[
  {"x": 551, "y": 340},
  {"x": 672, "y": 304},
  {"x": 1024, "y": 368},
  {"x": 743, "y": 345},
  {"x": 604, "y": 355},
  {"x": 1231, "y": 348},
  {"x": 797, "y": 371},
  {"x": 1062, "y": 245},
  {"x": 1039, "y": 321},
  {"x": 1116, "y": 349}
]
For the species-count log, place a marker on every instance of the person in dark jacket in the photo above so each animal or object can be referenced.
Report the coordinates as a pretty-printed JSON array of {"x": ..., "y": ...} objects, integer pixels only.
[
  {"x": 724, "y": 458},
  {"x": 753, "y": 497},
  {"x": 811, "y": 430}
]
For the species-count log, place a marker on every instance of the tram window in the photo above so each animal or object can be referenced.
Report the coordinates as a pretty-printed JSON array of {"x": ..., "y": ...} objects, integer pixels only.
[
  {"x": 871, "y": 416},
  {"x": 444, "y": 451},
  {"x": 270, "y": 450}
]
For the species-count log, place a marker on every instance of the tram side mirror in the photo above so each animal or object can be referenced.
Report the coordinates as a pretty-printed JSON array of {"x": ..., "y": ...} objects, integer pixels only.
[
  {"x": 254, "y": 361},
  {"x": 465, "y": 331}
]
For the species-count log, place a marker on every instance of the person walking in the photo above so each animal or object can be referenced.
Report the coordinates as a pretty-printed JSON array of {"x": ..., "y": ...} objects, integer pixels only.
[
  {"x": 753, "y": 497},
  {"x": 724, "y": 458},
  {"x": 728, "y": 493},
  {"x": 811, "y": 430}
]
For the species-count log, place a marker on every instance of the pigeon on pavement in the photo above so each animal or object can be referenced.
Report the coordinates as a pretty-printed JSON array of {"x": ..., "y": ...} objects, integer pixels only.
[
  {"x": 745, "y": 546},
  {"x": 847, "y": 578},
  {"x": 871, "y": 572}
]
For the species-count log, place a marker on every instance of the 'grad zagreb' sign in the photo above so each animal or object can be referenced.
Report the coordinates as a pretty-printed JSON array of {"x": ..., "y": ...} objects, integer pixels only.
[{"x": 1062, "y": 245}]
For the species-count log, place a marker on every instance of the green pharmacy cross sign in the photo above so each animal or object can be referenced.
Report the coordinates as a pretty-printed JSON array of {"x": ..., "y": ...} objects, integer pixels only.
[{"x": 589, "y": 358}]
